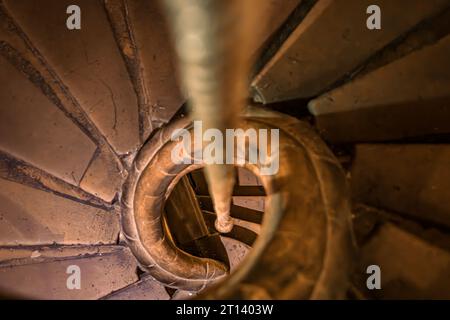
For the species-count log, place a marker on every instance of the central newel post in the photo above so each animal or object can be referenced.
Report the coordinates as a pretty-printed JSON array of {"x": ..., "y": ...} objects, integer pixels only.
[{"x": 215, "y": 42}]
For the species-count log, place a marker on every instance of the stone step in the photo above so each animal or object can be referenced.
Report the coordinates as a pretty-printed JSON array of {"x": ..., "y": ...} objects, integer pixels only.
[
  {"x": 30, "y": 216},
  {"x": 187, "y": 226},
  {"x": 46, "y": 278},
  {"x": 25, "y": 58},
  {"x": 33, "y": 129},
  {"x": 406, "y": 98},
  {"x": 247, "y": 178},
  {"x": 242, "y": 233},
  {"x": 146, "y": 288},
  {"x": 104, "y": 176},
  {"x": 184, "y": 295},
  {"x": 239, "y": 212},
  {"x": 251, "y": 202},
  {"x": 411, "y": 268},
  {"x": 236, "y": 250},
  {"x": 333, "y": 40},
  {"x": 19, "y": 255},
  {"x": 156, "y": 58},
  {"x": 255, "y": 227},
  {"x": 87, "y": 61},
  {"x": 276, "y": 13},
  {"x": 411, "y": 179},
  {"x": 153, "y": 62},
  {"x": 248, "y": 196},
  {"x": 242, "y": 191},
  {"x": 244, "y": 178},
  {"x": 366, "y": 220},
  {"x": 15, "y": 170}
]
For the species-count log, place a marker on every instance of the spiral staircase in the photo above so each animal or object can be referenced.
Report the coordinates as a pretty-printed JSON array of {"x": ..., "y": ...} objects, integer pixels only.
[{"x": 77, "y": 107}]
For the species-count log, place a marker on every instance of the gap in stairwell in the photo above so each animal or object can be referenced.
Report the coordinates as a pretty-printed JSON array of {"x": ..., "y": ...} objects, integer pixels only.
[{"x": 189, "y": 216}]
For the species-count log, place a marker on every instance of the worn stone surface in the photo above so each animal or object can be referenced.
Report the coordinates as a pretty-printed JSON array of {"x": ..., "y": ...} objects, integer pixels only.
[
  {"x": 333, "y": 40},
  {"x": 414, "y": 119},
  {"x": 104, "y": 177},
  {"x": 246, "y": 178},
  {"x": 29, "y": 217},
  {"x": 17, "y": 49},
  {"x": 15, "y": 170},
  {"x": 19, "y": 255},
  {"x": 145, "y": 289},
  {"x": 236, "y": 250},
  {"x": 255, "y": 227},
  {"x": 33, "y": 129},
  {"x": 410, "y": 179},
  {"x": 419, "y": 75},
  {"x": 240, "y": 232},
  {"x": 411, "y": 268},
  {"x": 276, "y": 13},
  {"x": 184, "y": 295},
  {"x": 408, "y": 97},
  {"x": 57, "y": 218},
  {"x": 47, "y": 279},
  {"x": 157, "y": 57},
  {"x": 87, "y": 61},
  {"x": 366, "y": 220}
]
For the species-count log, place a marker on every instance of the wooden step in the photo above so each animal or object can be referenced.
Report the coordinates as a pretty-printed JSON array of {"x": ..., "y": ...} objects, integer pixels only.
[
  {"x": 409, "y": 179},
  {"x": 333, "y": 40}
]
